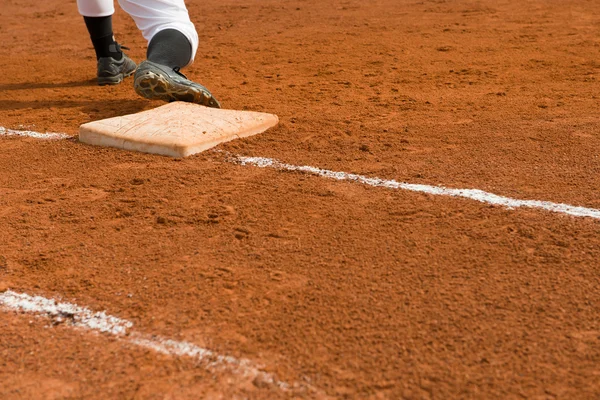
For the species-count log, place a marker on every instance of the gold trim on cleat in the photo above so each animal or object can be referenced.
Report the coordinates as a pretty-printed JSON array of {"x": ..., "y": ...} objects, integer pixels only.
[{"x": 156, "y": 87}]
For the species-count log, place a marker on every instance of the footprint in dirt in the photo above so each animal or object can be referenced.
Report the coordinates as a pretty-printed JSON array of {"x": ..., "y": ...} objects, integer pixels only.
[{"x": 86, "y": 194}]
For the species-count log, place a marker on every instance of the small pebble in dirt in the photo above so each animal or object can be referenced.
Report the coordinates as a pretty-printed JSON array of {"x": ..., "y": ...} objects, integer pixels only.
[
  {"x": 229, "y": 210},
  {"x": 161, "y": 220},
  {"x": 260, "y": 382},
  {"x": 364, "y": 147},
  {"x": 137, "y": 181}
]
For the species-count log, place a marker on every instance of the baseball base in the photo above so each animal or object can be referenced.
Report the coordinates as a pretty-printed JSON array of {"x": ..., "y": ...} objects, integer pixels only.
[{"x": 176, "y": 129}]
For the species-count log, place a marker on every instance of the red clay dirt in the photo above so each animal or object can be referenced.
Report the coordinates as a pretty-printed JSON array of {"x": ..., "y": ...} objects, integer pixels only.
[{"x": 361, "y": 292}]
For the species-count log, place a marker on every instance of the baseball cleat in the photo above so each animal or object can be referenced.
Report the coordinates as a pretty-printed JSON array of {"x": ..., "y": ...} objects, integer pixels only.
[
  {"x": 159, "y": 82},
  {"x": 112, "y": 72}
]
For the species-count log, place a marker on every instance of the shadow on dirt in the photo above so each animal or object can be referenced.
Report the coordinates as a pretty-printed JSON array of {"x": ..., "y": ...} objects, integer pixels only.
[
  {"x": 96, "y": 109},
  {"x": 46, "y": 85}
]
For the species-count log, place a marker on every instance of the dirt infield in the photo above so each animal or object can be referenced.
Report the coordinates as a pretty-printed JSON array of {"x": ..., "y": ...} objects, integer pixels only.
[{"x": 338, "y": 289}]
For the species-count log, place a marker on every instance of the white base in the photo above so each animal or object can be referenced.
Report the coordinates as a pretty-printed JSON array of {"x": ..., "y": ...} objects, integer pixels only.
[{"x": 176, "y": 129}]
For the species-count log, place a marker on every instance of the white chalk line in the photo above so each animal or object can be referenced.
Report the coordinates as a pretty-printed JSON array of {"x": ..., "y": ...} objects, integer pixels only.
[
  {"x": 32, "y": 134},
  {"x": 81, "y": 317},
  {"x": 472, "y": 194}
]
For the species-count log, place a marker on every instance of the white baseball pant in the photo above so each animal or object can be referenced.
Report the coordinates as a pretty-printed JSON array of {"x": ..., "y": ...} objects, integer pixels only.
[{"x": 150, "y": 16}]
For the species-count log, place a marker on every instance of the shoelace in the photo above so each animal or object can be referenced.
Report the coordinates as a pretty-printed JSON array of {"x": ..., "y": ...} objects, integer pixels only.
[
  {"x": 116, "y": 48},
  {"x": 177, "y": 70}
]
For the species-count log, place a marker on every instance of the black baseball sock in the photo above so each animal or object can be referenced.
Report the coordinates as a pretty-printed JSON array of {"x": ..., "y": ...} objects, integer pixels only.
[
  {"x": 101, "y": 33},
  {"x": 171, "y": 48}
]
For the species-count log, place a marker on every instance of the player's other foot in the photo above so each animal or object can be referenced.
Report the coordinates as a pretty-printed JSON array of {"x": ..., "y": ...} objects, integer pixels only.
[
  {"x": 159, "y": 82},
  {"x": 112, "y": 71}
]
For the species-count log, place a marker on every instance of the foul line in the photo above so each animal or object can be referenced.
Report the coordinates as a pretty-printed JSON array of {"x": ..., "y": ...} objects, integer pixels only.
[
  {"x": 32, "y": 134},
  {"x": 472, "y": 194},
  {"x": 74, "y": 315}
]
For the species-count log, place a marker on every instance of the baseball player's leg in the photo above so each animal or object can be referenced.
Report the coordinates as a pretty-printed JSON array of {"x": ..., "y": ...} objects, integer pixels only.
[
  {"x": 155, "y": 16},
  {"x": 96, "y": 8},
  {"x": 113, "y": 65},
  {"x": 172, "y": 43}
]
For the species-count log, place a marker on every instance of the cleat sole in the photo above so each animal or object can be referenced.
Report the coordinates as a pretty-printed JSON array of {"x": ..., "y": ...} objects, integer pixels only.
[{"x": 154, "y": 86}]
